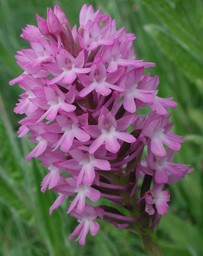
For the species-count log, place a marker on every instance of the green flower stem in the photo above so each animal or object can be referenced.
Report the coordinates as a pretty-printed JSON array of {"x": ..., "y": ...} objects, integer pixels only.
[{"x": 151, "y": 245}]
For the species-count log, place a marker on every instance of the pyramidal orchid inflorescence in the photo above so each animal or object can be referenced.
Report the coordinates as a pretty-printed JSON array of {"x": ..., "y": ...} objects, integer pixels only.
[{"x": 84, "y": 100}]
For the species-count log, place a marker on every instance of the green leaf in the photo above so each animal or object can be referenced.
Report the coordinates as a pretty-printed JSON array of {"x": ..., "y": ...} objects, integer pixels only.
[
  {"x": 104, "y": 246},
  {"x": 194, "y": 182},
  {"x": 182, "y": 232},
  {"x": 10, "y": 153},
  {"x": 196, "y": 116},
  {"x": 174, "y": 50},
  {"x": 197, "y": 139},
  {"x": 170, "y": 249},
  {"x": 177, "y": 18},
  {"x": 52, "y": 227},
  {"x": 13, "y": 199}
]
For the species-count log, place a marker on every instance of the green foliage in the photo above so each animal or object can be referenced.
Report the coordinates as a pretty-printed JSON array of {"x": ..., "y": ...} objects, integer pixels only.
[{"x": 170, "y": 33}]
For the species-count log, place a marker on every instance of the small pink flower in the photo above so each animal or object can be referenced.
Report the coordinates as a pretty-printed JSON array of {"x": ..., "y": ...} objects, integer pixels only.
[
  {"x": 133, "y": 90},
  {"x": 157, "y": 130},
  {"x": 51, "y": 179},
  {"x": 70, "y": 130},
  {"x": 39, "y": 149},
  {"x": 87, "y": 164},
  {"x": 159, "y": 198},
  {"x": 163, "y": 169},
  {"x": 94, "y": 36},
  {"x": 87, "y": 223},
  {"x": 160, "y": 105},
  {"x": 109, "y": 132},
  {"x": 100, "y": 81},
  {"x": 86, "y": 14},
  {"x": 69, "y": 187},
  {"x": 67, "y": 67},
  {"x": 53, "y": 23},
  {"x": 55, "y": 101},
  {"x": 121, "y": 55}
]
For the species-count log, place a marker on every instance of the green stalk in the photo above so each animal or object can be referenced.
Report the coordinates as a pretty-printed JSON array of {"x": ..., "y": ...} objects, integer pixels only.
[{"x": 151, "y": 246}]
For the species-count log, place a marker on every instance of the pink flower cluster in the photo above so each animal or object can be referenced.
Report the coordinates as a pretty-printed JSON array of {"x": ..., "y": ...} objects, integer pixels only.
[{"x": 85, "y": 99}]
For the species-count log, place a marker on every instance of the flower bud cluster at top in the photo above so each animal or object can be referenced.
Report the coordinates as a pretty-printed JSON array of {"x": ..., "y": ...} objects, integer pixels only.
[{"x": 83, "y": 88}]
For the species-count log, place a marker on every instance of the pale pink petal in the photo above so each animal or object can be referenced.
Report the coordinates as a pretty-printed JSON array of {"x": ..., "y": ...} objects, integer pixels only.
[
  {"x": 162, "y": 208},
  {"x": 167, "y": 102},
  {"x": 45, "y": 182},
  {"x": 76, "y": 231},
  {"x": 172, "y": 144},
  {"x": 69, "y": 77},
  {"x": 51, "y": 113},
  {"x": 73, "y": 203},
  {"x": 67, "y": 142},
  {"x": 81, "y": 203},
  {"x": 124, "y": 123},
  {"x": 93, "y": 194},
  {"x": 103, "y": 90},
  {"x": 94, "y": 228},
  {"x": 56, "y": 79},
  {"x": 68, "y": 107},
  {"x": 149, "y": 209},
  {"x": 89, "y": 175},
  {"x": 112, "y": 144},
  {"x": 53, "y": 23},
  {"x": 125, "y": 137},
  {"x": 158, "y": 108},
  {"x": 162, "y": 198},
  {"x": 85, "y": 80},
  {"x": 157, "y": 147},
  {"x": 116, "y": 88},
  {"x": 144, "y": 96},
  {"x": 81, "y": 135},
  {"x": 84, "y": 92},
  {"x": 61, "y": 15},
  {"x": 161, "y": 176},
  {"x": 54, "y": 179},
  {"x": 83, "y": 234},
  {"x": 60, "y": 199},
  {"x": 80, "y": 177},
  {"x": 38, "y": 150},
  {"x": 129, "y": 104},
  {"x": 82, "y": 70},
  {"x": 102, "y": 164},
  {"x": 96, "y": 144}
]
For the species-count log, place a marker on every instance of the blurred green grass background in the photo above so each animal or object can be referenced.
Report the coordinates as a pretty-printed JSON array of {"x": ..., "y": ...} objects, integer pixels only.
[{"x": 169, "y": 33}]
